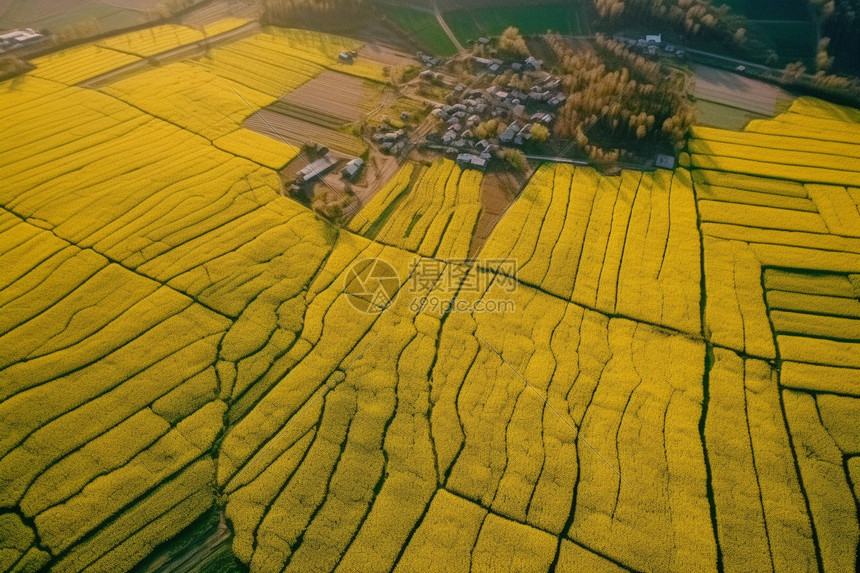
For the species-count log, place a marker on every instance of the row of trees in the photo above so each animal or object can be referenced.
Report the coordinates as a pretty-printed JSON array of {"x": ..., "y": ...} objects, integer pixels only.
[
  {"x": 619, "y": 102},
  {"x": 688, "y": 16},
  {"x": 821, "y": 83},
  {"x": 840, "y": 18}
]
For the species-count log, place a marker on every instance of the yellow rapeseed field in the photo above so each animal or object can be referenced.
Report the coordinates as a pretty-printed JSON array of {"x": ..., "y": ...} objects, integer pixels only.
[
  {"x": 151, "y": 41},
  {"x": 646, "y": 371},
  {"x": 623, "y": 245},
  {"x": 433, "y": 214},
  {"x": 78, "y": 64}
]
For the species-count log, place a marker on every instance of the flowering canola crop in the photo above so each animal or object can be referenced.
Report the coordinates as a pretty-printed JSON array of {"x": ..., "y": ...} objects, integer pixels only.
[{"x": 675, "y": 386}]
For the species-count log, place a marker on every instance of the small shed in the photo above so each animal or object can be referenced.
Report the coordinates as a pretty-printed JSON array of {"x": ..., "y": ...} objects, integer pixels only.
[
  {"x": 533, "y": 63},
  {"x": 353, "y": 169},
  {"x": 471, "y": 161},
  {"x": 510, "y": 133},
  {"x": 665, "y": 161}
]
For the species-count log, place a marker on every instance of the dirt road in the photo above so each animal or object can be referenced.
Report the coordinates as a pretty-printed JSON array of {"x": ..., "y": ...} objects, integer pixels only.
[{"x": 445, "y": 27}]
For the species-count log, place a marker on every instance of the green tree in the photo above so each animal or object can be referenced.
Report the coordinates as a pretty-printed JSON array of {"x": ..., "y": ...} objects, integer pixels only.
[
  {"x": 512, "y": 42},
  {"x": 540, "y": 133}
]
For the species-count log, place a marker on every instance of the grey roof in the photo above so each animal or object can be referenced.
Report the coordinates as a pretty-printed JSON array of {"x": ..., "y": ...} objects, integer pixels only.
[
  {"x": 471, "y": 160},
  {"x": 316, "y": 168},
  {"x": 665, "y": 161}
]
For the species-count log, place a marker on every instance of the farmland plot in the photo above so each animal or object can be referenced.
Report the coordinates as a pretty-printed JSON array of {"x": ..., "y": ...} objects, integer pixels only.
[
  {"x": 623, "y": 245},
  {"x": 75, "y": 65},
  {"x": 78, "y": 64},
  {"x": 435, "y": 215},
  {"x": 151, "y": 41},
  {"x": 345, "y": 98},
  {"x": 297, "y": 132},
  {"x": 781, "y": 264},
  {"x": 318, "y": 111},
  {"x": 675, "y": 387}
]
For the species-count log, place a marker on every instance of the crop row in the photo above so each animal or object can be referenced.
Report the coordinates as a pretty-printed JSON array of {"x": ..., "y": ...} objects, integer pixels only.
[
  {"x": 371, "y": 218},
  {"x": 781, "y": 266},
  {"x": 190, "y": 97},
  {"x": 310, "y": 485},
  {"x": 258, "y": 148},
  {"x": 157, "y": 198},
  {"x": 75, "y": 65}
]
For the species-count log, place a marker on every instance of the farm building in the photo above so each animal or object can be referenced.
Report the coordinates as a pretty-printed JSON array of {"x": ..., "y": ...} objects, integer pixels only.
[
  {"x": 315, "y": 169},
  {"x": 353, "y": 168},
  {"x": 510, "y": 133},
  {"x": 19, "y": 38},
  {"x": 533, "y": 63},
  {"x": 665, "y": 161},
  {"x": 471, "y": 161}
]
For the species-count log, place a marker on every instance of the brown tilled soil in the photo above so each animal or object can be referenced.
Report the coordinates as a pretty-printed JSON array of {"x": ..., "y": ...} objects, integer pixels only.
[
  {"x": 735, "y": 90},
  {"x": 499, "y": 190},
  {"x": 385, "y": 55},
  {"x": 299, "y": 132},
  {"x": 335, "y": 94}
]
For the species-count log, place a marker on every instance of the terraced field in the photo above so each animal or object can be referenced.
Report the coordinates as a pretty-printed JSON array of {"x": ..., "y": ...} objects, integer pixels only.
[{"x": 676, "y": 389}]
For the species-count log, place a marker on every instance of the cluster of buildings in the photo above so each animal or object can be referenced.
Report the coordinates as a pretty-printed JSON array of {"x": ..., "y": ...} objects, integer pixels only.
[
  {"x": 650, "y": 45},
  {"x": 428, "y": 61},
  {"x": 390, "y": 140},
  {"x": 496, "y": 66},
  {"x": 516, "y": 110},
  {"x": 322, "y": 166},
  {"x": 19, "y": 38}
]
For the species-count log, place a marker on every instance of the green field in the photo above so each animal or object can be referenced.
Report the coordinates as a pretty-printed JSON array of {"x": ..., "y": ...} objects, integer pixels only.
[
  {"x": 783, "y": 25},
  {"x": 470, "y": 24},
  {"x": 721, "y": 116},
  {"x": 792, "y": 40},
  {"x": 769, "y": 9},
  {"x": 422, "y": 27}
]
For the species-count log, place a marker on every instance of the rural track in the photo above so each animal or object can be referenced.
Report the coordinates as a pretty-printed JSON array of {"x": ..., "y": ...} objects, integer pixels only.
[
  {"x": 446, "y": 29},
  {"x": 190, "y": 560}
]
